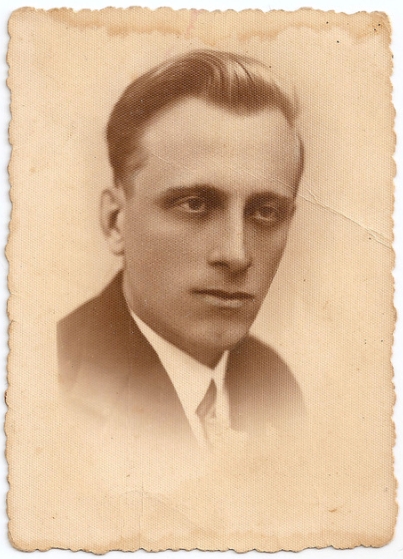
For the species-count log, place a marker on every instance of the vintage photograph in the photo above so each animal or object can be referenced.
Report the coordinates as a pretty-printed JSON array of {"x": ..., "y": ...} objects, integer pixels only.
[
  {"x": 200, "y": 216},
  {"x": 202, "y": 356}
]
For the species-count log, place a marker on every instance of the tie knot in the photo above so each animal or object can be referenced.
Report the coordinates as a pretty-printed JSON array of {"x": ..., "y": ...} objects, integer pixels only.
[{"x": 206, "y": 407}]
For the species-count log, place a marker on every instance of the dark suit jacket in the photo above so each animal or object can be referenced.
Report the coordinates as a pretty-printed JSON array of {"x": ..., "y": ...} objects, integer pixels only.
[{"x": 106, "y": 363}]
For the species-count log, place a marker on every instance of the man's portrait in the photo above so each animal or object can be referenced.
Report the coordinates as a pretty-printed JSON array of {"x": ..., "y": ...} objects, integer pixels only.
[
  {"x": 201, "y": 291},
  {"x": 200, "y": 214}
]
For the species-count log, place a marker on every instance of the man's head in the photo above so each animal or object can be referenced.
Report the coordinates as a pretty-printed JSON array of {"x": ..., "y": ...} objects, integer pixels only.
[{"x": 206, "y": 164}]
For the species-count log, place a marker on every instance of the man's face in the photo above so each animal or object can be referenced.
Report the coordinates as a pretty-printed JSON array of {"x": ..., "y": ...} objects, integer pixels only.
[{"x": 206, "y": 222}]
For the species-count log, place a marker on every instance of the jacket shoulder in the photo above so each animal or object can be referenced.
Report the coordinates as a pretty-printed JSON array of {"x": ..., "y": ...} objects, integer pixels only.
[
  {"x": 261, "y": 380},
  {"x": 259, "y": 358},
  {"x": 88, "y": 333}
]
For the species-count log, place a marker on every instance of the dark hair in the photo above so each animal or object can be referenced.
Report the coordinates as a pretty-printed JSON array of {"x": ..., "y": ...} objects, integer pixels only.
[{"x": 237, "y": 83}]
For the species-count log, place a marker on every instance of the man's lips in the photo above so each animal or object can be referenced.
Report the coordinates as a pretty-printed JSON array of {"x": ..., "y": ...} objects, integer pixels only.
[
  {"x": 225, "y": 294},
  {"x": 225, "y": 299}
]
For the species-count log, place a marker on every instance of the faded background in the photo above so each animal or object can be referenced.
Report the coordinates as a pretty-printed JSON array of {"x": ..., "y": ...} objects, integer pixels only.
[{"x": 340, "y": 221}]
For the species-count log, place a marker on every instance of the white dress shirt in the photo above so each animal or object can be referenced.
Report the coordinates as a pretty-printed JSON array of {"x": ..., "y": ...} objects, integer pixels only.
[{"x": 191, "y": 379}]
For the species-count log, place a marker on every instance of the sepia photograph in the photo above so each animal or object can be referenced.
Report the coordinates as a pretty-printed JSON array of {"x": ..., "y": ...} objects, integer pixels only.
[
  {"x": 200, "y": 276},
  {"x": 200, "y": 217}
]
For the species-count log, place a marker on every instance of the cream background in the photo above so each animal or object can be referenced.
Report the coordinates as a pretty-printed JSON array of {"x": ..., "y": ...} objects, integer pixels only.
[{"x": 331, "y": 308}]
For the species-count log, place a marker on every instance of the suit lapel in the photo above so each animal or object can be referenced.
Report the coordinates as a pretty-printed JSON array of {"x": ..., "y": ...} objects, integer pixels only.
[{"x": 119, "y": 367}]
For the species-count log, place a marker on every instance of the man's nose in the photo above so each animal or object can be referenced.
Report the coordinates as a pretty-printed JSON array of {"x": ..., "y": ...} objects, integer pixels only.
[{"x": 230, "y": 248}]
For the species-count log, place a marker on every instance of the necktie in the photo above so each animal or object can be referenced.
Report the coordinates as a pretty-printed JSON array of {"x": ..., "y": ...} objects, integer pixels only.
[
  {"x": 206, "y": 412},
  {"x": 216, "y": 428}
]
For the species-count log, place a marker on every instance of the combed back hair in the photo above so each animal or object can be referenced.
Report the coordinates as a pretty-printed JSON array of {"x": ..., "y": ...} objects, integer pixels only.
[{"x": 239, "y": 84}]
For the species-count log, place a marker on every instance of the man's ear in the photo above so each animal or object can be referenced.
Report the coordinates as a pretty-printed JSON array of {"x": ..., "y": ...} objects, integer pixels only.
[{"x": 113, "y": 207}]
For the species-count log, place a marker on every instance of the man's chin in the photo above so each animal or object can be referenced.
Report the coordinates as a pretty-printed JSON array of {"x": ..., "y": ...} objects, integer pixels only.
[{"x": 220, "y": 340}]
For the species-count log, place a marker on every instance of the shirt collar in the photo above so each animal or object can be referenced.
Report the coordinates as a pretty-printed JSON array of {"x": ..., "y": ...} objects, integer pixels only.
[{"x": 190, "y": 378}]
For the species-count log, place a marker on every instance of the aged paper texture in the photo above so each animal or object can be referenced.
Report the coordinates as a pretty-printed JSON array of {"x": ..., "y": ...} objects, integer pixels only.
[{"x": 165, "y": 164}]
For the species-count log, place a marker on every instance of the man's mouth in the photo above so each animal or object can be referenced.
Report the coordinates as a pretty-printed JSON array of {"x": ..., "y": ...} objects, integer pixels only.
[{"x": 225, "y": 299}]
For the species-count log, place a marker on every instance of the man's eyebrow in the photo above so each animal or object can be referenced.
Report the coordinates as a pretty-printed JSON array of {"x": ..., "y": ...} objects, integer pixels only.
[
  {"x": 185, "y": 190},
  {"x": 267, "y": 196}
]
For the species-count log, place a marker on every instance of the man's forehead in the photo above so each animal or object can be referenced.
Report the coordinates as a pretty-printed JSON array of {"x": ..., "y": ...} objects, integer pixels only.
[{"x": 194, "y": 120}]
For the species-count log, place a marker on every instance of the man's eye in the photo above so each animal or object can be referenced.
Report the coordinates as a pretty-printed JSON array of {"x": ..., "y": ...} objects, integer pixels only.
[
  {"x": 193, "y": 204},
  {"x": 266, "y": 214}
]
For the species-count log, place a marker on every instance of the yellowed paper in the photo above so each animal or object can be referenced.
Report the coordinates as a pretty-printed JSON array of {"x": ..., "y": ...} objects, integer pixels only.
[{"x": 104, "y": 447}]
